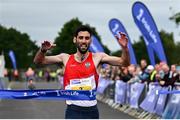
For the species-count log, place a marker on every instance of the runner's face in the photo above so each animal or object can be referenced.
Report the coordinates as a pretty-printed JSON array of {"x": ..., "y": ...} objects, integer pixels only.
[{"x": 83, "y": 41}]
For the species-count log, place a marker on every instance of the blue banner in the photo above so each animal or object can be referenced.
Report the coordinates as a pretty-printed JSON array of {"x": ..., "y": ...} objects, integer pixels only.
[
  {"x": 177, "y": 114},
  {"x": 147, "y": 26},
  {"x": 13, "y": 59},
  {"x": 136, "y": 90},
  {"x": 48, "y": 94},
  {"x": 172, "y": 110},
  {"x": 149, "y": 103},
  {"x": 120, "y": 92},
  {"x": 102, "y": 85},
  {"x": 168, "y": 92},
  {"x": 161, "y": 102},
  {"x": 115, "y": 27},
  {"x": 128, "y": 92},
  {"x": 95, "y": 45}
]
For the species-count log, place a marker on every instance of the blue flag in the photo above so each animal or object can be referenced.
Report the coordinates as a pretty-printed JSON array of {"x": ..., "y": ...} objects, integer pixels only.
[
  {"x": 95, "y": 45},
  {"x": 115, "y": 27},
  {"x": 13, "y": 59},
  {"x": 147, "y": 26}
]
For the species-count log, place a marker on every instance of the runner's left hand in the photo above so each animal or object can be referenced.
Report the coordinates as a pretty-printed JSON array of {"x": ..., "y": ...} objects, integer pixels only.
[{"x": 123, "y": 40}]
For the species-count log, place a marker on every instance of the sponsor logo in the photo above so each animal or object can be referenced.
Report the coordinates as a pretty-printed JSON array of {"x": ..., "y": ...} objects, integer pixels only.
[{"x": 75, "y": 81}]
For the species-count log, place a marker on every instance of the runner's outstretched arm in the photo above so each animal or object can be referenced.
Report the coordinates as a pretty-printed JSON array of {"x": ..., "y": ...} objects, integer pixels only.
[
  {"x": 40, "y": 57},
  {"x": 124, "y": 60}
]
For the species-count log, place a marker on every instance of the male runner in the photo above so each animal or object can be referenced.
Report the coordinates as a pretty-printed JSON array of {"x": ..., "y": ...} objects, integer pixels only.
[{"x": 81, "y": 70}]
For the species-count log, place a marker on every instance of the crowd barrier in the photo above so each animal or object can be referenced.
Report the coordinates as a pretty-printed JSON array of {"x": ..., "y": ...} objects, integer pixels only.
[
  {"x": 148, "y": 99},
  {"x": 4, "y": 83}
]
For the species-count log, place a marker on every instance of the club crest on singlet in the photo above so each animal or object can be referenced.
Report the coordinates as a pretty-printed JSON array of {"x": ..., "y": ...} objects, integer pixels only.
[{"x": 87, "y": 64}]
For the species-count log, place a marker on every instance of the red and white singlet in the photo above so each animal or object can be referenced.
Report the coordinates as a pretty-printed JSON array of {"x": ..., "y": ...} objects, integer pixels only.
[{"x": 81, "y": 76}]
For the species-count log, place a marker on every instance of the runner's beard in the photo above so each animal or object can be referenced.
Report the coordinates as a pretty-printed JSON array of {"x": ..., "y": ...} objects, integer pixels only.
[{"x": 81, "y": 49}]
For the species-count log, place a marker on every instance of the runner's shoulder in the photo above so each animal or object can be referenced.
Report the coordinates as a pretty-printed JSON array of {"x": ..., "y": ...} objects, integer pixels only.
[
  {"x": 64, "y": 55},
  {"x": 99, "y": 54}
]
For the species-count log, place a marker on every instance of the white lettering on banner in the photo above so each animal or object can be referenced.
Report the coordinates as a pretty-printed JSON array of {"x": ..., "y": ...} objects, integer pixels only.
[
  {"x": 25, "y": 94},
  {"x": 153, "y": 36},
  {"x": 72, "y": 93},
  {"x": 140, "y": 14},
  {"x": 57, "y": 93},
  {"x": 91, "y": 93},
  {"x": 35, "y": 93},
  {"x": 146, "y": 25},
  {"x": 39, "y": 93},
  {"x": 115, "y": 29}
]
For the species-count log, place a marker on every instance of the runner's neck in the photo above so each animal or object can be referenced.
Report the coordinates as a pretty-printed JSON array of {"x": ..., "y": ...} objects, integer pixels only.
[{"x": 81, "y": 57}]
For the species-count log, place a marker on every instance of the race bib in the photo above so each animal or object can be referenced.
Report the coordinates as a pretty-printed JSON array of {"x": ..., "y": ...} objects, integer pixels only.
[{"x": 82, "y": 84}]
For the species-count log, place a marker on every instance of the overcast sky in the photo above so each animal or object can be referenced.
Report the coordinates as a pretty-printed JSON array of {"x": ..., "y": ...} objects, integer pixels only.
[{"x": 43, "y": 19}]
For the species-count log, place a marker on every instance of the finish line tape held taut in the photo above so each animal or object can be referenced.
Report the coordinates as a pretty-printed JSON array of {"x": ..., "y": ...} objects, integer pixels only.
[{"x": 49, "y": 94}]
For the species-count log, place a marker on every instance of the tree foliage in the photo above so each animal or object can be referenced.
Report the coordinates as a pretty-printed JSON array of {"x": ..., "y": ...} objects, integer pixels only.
[
  {"x": 176, "y": 18},
  {"x": 140, "y": 50},
  {"x": 64, "y": 40},
  {"x": 169, "y": 46},
  {"x": 20, "y": 43}
]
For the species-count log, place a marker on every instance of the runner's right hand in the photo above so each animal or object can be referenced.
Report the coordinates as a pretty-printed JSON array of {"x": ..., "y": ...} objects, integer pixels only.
[{"x": 46, "y": 45}]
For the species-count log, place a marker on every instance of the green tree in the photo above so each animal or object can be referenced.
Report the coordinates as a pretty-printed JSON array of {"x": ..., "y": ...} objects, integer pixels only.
[
  {"x": 20, "y": 43},
  {"x": 169, "y": 46},
  {"x": 64, "y": 40},
  {"x": 176, "y": 18},
  {"x": 140, "y": 50},
  {"x": 176, "y": 54}
]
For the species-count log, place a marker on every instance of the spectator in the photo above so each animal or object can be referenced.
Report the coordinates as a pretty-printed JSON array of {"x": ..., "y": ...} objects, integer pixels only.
[
  {"x": 146, "y": 75},
  {"x": 168, "y": 78},
  {"x": 143, "y": 65}
]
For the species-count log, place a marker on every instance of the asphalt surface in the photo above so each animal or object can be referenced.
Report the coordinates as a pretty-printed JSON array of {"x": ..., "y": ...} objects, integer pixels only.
[{"x": 47, "y": 109}]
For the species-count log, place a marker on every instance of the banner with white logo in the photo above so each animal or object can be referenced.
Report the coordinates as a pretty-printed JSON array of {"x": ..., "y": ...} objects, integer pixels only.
[{"x": 146, "y": 24}]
